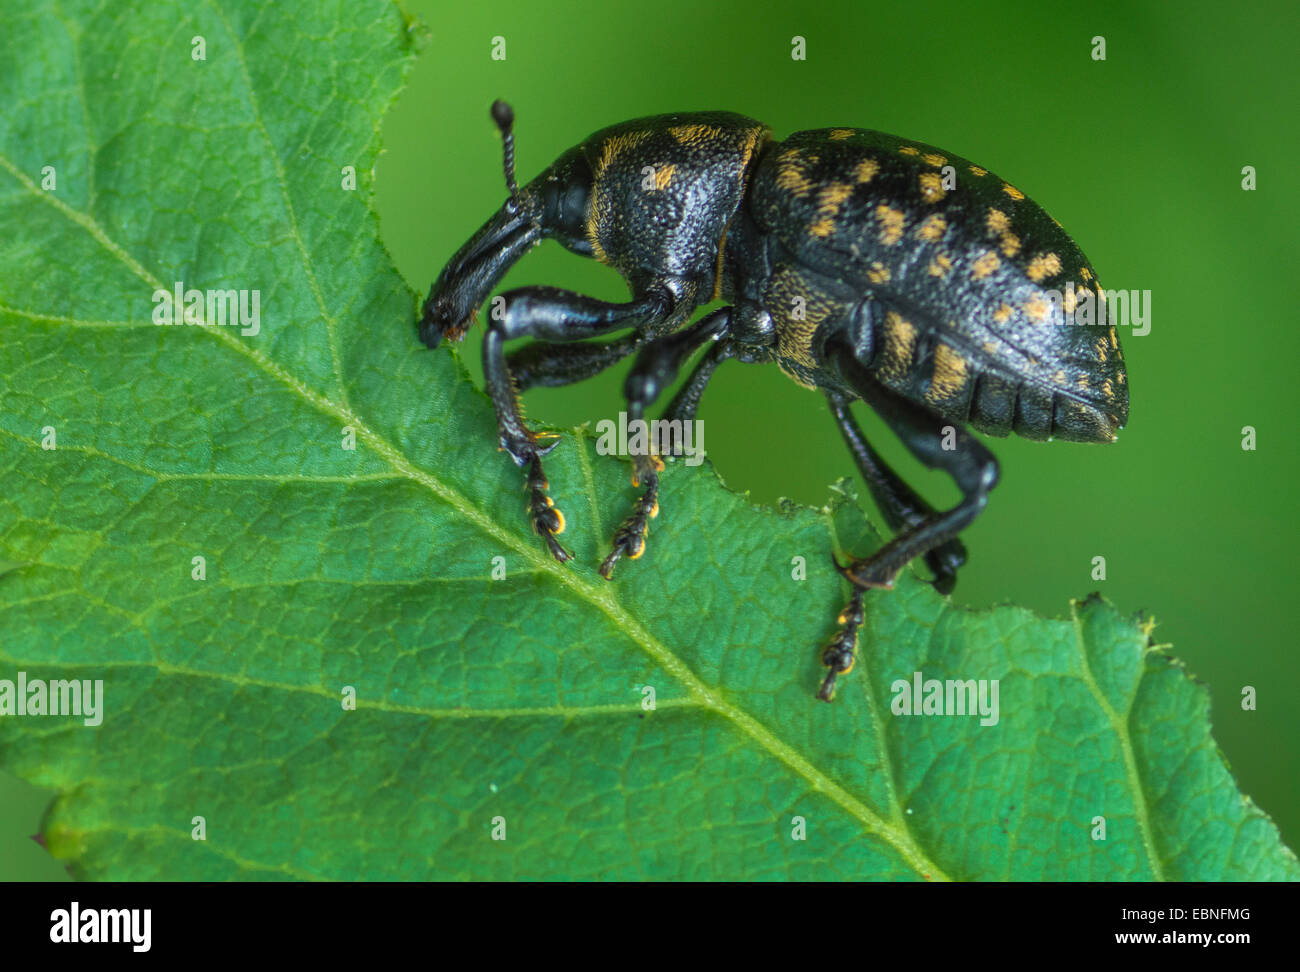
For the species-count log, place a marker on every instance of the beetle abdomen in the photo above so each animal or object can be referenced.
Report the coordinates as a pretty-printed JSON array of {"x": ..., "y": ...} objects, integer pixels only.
[
  {"x": 982, "y": 279},
  {"x": 940, "y": 368}
]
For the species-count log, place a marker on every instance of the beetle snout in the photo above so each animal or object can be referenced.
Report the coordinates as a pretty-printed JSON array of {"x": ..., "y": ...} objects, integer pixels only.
[
  {"x": 469, "y": 276},
  {"x": 438, "y": 318}
]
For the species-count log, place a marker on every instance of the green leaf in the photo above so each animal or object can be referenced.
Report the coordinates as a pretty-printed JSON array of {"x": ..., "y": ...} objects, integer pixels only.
[{"x": 481, "y": 703}]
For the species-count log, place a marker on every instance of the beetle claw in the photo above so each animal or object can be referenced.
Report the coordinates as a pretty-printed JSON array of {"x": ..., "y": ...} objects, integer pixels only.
[
  {"x": 547, "y": 520},
  {"x": 630, "y": 536},
  {"x": 840, "y": 654}
]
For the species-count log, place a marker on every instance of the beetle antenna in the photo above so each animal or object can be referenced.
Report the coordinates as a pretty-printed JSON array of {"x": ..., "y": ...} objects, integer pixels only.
[{"x": 504, "y": 116}]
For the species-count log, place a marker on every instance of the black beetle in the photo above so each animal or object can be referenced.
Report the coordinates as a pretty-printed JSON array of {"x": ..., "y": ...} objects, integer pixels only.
[{"x": 865, "y": 265}]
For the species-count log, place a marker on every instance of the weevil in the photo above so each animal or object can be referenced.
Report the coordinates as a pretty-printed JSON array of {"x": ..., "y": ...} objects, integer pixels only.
[{"x": 864, "y": 265}]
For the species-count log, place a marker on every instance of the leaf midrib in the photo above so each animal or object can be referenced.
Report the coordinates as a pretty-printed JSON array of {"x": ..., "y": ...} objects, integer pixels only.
[
  {"x": 1120, "y": 727},
  {"x": 765, "y": 738}
]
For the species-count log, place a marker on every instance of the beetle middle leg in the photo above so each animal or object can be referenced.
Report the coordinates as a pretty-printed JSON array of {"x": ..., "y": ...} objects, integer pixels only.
[
  {"x": 655, "y": 368},
  {"x": 548, "y": 365},
  {"x": 687, "y": 400},
  {"x": 939, "y": 444},
  {"x": 551, "y": 315}
]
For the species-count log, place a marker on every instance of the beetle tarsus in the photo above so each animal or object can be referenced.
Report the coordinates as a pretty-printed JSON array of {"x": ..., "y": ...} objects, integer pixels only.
[
  {"x": 630, "y": 536},
  {"x": 547, "y": 520},
  {"x": 839, "y": 655}
]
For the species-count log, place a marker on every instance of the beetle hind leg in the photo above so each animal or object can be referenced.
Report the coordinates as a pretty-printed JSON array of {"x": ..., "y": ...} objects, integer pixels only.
[
  {"x": 900, "y": 505},
  {"x": 938, "y": 443}
]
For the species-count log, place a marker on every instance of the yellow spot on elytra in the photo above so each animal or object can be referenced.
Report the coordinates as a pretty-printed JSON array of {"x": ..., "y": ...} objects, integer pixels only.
[
  {"x": 823, "y": 227},
  {"x": 949, "y": 373},
  {"x": 940, "y": 265},
  {"x": 1114, "y": 338},
  {"x": 984, "y": 266},
  {"x": 1082, "y": 381},
  {"x": 866, "y": 169},
  {"x": 1102, "y": 350},
  {"x": 790, "y": 177},
  {"x": 931, "y": 229},
  {"x": 664, "y": 176},
  {"x": 1043, "y": 266},
  {"x": 934, "y": 159},
  {"x": 1085, "y": 273},
  {"x": 909, "y": 150},
  {"x": 1121, "y": 378},
  {"x": 891, "y": 224},
  {"x": 900, "y": 337},
  {"x": 840, "y": 133},
  {"x": 1108, "y": 389},
  {"x": 975, "y": 170},
  {"x": 1012, "y": 191},
  {"x": 795, "y": 336},
  {"x": 932, "y": 189},
  {"x": 1002, "y": 313},
  {"x": 999, "y": 224},
  {"x": 830, "y": 198},
  {"x": 878, "y": 274},
  {"x": 1059, "y": 377},
  {"x": 1035, "y": 309}
]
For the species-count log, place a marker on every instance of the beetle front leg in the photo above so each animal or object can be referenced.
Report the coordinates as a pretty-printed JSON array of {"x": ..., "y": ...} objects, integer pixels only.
[
  {"x": 550, "y": 314},
  {"x": 655, "y": 369}
]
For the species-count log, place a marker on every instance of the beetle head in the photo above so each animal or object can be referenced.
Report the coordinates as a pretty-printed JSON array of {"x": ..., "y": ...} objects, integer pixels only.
[{"x": 555, "y": 205}]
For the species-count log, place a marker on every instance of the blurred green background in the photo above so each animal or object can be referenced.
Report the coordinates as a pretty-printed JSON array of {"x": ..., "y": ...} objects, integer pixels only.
[{"x": 1139, "y": 156}]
